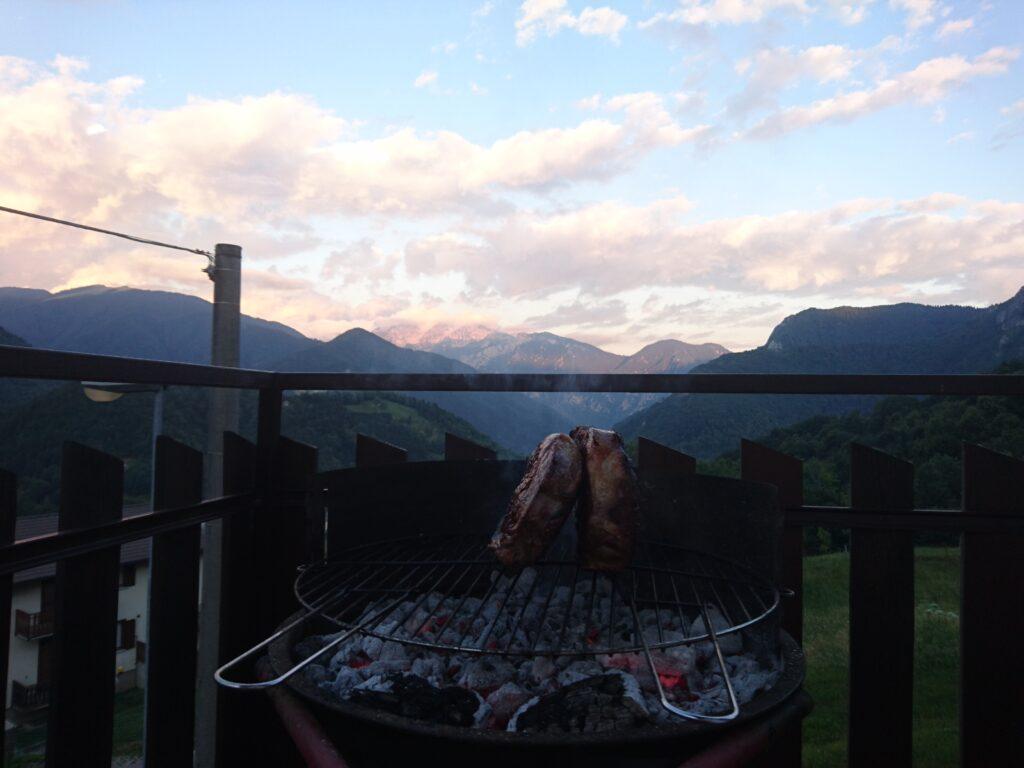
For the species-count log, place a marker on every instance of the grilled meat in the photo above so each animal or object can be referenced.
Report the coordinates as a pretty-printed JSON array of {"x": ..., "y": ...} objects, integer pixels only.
[
  {"x": 541, "y": 502},
  {"x": 609, "y": 507}
]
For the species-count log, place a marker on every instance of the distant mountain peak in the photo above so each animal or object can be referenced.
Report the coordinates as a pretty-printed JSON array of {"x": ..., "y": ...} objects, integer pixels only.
[{"x": 427, "y": 337}]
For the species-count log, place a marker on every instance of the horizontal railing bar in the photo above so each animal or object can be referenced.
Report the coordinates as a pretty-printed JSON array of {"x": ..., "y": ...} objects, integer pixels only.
[
  {"x": 39, "y": 550},
  {"x": 936, "y": 520},
  {"x": 704, "y": 383},
  {"x": 28, "y": 363},
  {"x": 21, "y": 362},
  {"x": 29, "y": 553}
]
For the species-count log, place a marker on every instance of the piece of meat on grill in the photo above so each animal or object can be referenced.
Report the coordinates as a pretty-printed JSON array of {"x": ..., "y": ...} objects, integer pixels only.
[
  {"x": 609, "y": 507},
  {"x": 540, "y": 503}
]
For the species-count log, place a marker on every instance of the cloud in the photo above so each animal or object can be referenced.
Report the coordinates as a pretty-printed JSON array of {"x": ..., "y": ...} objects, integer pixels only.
[
  {"x": 1012, "y": 127},
  {"x": 956, "y": 27},
  {"x": 770, "y": 70},
  {"x": 728, "y": 12},
  {"x": 920, "y": 13},
  {"x": 361, "y": 261},
  {"x": 266, "y": 171},
  {"x": 859, "y": 247},
  {"x": 851, "y": 12},
  {"x": 425, "y": 78},
  {"x": 927, "y": 83},
  {"x": 960, "y": 137},
  {"x": 267, "y": 163},
  {"x": 483, "y": 10},
  {"x": 552, "y": 16}
]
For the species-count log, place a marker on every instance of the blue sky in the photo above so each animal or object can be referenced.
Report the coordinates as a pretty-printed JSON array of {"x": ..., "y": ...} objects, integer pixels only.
[{"x": 619, "y": 172}]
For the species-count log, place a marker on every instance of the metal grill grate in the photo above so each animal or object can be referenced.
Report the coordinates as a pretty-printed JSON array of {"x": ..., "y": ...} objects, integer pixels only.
[{"x": 448, "y": 593}]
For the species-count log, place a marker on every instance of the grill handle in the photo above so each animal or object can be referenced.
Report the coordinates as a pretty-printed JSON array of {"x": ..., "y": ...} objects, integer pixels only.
[
  {"x": 734, "y": 704},
  {"x": 260, "y": 685}
]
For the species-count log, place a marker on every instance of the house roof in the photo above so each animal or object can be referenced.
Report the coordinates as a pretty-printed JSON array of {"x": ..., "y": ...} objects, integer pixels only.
[{"x": 30, "y": 526}]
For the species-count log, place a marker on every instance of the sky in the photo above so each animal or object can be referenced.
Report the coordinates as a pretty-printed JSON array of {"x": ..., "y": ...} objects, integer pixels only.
[{"x": 618, "y": 173}]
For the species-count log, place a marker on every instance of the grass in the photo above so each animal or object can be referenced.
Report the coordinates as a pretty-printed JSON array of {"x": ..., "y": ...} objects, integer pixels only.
[
  {"x": 28, "y": 745},
  {"x": 936, "y": 664}
]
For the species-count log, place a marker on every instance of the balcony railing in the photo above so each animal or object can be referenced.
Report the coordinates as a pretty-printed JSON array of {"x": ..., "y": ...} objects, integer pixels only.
[
  {"x": 268, "y": 533},
  {"x": 33, "y": 626},
  {"x": 29, "y": 697}
]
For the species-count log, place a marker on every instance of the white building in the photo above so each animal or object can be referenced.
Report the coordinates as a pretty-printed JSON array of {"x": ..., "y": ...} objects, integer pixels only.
[{"x": 32, "y": 620}]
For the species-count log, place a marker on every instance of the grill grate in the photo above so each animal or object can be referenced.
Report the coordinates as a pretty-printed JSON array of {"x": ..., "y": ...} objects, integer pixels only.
[{"x": 448, "y": 593}]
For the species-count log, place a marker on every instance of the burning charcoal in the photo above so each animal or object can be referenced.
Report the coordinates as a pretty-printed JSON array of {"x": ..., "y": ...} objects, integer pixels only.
[
  {"x": 431, "y": 669},
  {"x": 343, "y": 683},
  {"x": 392, "y": 652},
  {"x": 371, "y": 646},
  {"x": 378, "y": 683},
  {"x": 730, "y": 644},
  {"x": 537, "y": 671},
  {"x": 409, "y": 696},
  {"x": 595, "y": 704},
  {"x": 627, "y": 662},
  {"x": 505, "y": 701},
  {"x": 579, "y": 670},
  {"x": 484, "y": 715},
  {"x": 485, "y": 674}
]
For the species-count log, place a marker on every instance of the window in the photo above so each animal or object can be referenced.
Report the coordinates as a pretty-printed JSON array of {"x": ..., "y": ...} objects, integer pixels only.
[
  {"x": 127, "y": 576},
  {"x": 125, "y": 634}
]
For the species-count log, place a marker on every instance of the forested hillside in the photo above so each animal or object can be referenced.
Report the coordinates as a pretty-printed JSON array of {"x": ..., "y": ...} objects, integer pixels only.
[
  {"x": 36, "y": 430},
  {"x": 928, "y": 432}
]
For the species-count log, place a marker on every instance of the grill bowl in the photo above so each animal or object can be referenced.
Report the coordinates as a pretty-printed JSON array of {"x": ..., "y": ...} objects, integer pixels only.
[{"x": 371, "y": 737}]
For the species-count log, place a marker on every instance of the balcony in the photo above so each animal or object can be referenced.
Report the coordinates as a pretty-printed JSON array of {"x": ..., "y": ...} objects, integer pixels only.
[
  {"x": 271, "y": 478},
  {"x": 28, "y": 698},
  {"x": 33, "y": 626}
]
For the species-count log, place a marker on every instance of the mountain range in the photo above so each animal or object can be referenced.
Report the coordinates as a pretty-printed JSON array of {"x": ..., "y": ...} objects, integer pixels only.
[
  {"x": 900, "y": 338},
  {"x": 169, "y": 326},
  {"x": 495, "y": 351}
]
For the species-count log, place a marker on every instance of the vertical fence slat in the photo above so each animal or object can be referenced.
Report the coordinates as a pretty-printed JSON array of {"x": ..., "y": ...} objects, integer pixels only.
[
  {"x": 460, "y": 449},
  {"x": 173, "y": 622},
  {"x": 237, "y": 603},
  {"x": 296, "y": 465},
  {"x": 763, "y": 465},
  {"x": 8, "y": 515},
  {"x": 81, "y": 718},
  {"x": 371, "y": 452},
  {"x": 268, "y": 742},
  {"x": 654, "y": 459},
  {"x": 881, "y": 616},
  {"x": 991, "y": 615}
]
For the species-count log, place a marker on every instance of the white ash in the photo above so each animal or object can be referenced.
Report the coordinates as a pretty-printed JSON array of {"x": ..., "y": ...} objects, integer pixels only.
[{"x": 509, "y": 685}]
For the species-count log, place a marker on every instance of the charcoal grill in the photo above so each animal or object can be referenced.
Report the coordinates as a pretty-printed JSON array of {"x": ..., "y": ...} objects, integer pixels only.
[{"x": 431, "y": 592}]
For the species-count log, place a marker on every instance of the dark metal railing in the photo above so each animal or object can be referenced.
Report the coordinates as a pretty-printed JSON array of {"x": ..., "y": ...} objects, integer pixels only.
[
  {"x": 23, "y": 362},
  {"x": 33, "y": 626},
  {"x": 29, "y": 697},
  {"x": 268, "y": 532}
]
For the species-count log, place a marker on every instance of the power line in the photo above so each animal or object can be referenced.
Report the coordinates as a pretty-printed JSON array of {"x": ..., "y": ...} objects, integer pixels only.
[{"x": 143, "y": 240}]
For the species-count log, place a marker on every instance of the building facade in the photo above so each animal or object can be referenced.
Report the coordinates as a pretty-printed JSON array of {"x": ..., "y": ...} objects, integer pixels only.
[{"x": 31, "y": 642}]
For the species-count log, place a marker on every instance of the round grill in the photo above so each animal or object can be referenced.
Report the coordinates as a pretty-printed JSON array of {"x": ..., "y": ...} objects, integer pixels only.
[{"x": 449, "y": 593}]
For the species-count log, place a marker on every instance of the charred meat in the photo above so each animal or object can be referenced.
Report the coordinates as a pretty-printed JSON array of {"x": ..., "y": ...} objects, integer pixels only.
[{"x": 541, "y": 502}]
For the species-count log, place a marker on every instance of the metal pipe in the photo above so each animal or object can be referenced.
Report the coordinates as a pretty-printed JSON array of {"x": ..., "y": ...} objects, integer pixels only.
[{"x": 226, "y": 273}]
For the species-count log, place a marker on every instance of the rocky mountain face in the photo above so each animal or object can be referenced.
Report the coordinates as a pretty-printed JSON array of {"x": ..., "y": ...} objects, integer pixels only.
[{"x": 902, "y": 338}]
